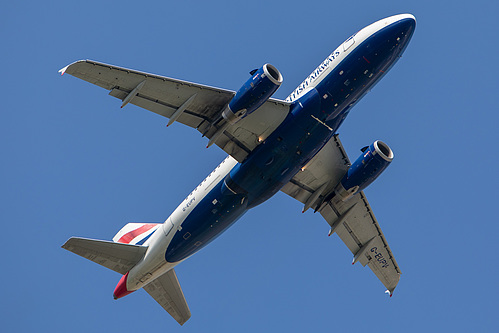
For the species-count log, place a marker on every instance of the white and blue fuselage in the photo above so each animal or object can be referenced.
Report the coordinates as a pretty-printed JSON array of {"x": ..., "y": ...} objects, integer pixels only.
[{"x": 319, "y": 106}]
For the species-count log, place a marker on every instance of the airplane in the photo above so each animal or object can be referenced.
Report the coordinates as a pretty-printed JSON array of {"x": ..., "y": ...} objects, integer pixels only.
[{"x": 273, "y": 145}]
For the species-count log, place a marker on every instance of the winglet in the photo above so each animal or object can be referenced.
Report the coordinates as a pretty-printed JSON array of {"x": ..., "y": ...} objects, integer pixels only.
[{"x": 63, "y": 70}]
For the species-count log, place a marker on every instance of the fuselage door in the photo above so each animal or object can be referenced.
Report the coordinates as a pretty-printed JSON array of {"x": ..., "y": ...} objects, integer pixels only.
[
  {"x": 168, "y": 226},
  {"x": 348, "y": 43}
]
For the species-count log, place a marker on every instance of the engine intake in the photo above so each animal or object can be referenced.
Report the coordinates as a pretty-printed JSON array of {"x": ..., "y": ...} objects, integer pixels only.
[
  {"x": 373, "y": 161},
  {"x": 256, "y": 91}
]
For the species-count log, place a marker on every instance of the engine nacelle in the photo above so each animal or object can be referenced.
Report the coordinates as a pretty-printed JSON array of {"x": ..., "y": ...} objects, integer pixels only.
[
  {"x": 364, "y": 170},
  {"x": 256, "y": 91}
]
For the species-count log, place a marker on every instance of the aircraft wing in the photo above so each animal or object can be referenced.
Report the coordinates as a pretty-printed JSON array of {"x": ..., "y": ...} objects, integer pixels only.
[
  {"x": 167, "y": 292},
  {"x": 353, "y": 220},
  {"x": 192, "y": 104}
]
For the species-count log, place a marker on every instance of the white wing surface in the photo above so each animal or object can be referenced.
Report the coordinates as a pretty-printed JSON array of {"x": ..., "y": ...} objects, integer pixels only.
[
  {"x": 353, "y": 220},
  {"x": 115, "y": 256},
  {"x": 167, "y": 292},
  {"x": 194, "y": 105}
]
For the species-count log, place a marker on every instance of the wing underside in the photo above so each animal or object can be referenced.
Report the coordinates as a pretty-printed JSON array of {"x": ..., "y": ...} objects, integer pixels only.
[
  {"x": 195, "y": 105},
  {"x": 353, "y": 221}
]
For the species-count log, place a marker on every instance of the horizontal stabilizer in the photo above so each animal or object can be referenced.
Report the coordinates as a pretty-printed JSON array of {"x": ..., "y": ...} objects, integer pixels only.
[
  {"x": 116, "y": 256},
  {"x": 167, "y": 292}
]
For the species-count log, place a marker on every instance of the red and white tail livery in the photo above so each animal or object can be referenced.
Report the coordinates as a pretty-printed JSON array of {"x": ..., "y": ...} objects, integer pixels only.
[{"x": 135, "y": 233}]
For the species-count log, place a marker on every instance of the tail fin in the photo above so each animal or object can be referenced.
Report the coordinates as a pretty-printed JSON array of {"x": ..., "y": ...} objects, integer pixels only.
[
  {"x": 135, "y": 233},
  {"x": 121, "y": 258},
  {"x": 115, "y": 256}
]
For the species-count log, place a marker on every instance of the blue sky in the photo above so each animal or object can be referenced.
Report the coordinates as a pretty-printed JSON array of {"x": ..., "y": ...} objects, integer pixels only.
[{"x": 75, "y": 164}]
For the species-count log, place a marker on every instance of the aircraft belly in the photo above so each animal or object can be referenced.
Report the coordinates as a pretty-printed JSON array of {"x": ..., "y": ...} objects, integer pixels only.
[
  {"x": 217, "y": 211},
  {"x": 276, "y": 160}
]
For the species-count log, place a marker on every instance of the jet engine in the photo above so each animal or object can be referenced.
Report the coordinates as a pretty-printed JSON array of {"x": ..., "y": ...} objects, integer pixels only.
[
  {"x": 256, "y": 91},
  {"x": 373, "y": 161}
]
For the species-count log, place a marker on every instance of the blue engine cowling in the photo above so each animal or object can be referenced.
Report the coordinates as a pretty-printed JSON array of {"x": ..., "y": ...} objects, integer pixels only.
[
  {"x": 365, "y": 169},
  {"x": 256, "y": 91}
]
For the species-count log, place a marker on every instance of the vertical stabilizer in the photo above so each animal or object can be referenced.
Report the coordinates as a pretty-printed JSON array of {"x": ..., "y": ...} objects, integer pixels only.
[{"x": 135, "y": 233}]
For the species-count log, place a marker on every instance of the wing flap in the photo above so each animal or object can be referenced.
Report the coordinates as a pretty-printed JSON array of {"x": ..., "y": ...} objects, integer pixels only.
[
  {"x": 161, "y": 108},
  {"x": 167, "y": 292},
  {"x": 115, "y": 256}
]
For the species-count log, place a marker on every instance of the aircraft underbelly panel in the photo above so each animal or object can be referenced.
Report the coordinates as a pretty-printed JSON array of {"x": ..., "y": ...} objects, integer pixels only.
[{"x": 217, "y": 211}]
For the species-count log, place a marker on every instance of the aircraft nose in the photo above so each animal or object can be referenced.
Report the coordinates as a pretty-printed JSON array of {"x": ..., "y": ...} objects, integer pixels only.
[
  {"x": 400, "y": 31},
  {"x": 408, "y": 24},
  {"x": 405, "y": 25}
]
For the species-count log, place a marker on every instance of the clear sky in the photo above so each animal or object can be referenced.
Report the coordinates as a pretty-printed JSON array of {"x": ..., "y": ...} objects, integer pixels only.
[{"x": 74, "y": 164}]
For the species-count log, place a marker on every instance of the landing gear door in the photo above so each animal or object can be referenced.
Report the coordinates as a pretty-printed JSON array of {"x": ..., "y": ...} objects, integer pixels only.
[{"x": 167, "y": 226}]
